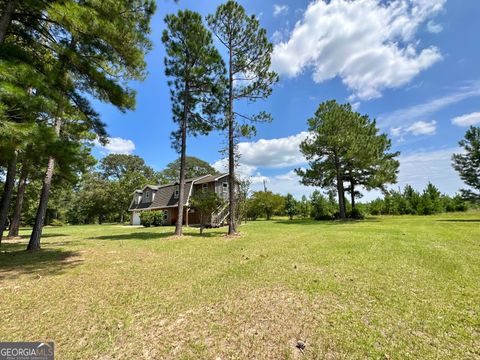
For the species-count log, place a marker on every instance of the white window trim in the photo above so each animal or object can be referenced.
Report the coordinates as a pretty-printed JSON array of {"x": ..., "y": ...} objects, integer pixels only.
[{"x": 225, "y": 188}]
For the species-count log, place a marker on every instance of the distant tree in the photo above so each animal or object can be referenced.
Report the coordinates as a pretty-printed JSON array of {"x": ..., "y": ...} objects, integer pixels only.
[
  {"x": 468, "y": 164},
  {"x": 249, "y": 77},
  {"x": 322, "y": 208},
  {"x": 290, "y": 206},
  {"x": 194, "y": 167},
  {"x": 266, "y": 202},
  {"x": 242, "y": 199},
  {"x": 196, "y": 73},
  {"x": 116, "y": 166},
  {"x": 303, "y": 207},
  {"x": 430, "y": 201},
  {"x": 205, "y": 202}
]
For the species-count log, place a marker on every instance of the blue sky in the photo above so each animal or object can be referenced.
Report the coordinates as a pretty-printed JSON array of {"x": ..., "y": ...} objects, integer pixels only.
[{"x": 411, "y": 64}]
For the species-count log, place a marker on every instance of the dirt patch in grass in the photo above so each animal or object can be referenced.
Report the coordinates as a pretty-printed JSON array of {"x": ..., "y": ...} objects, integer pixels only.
[{"x": 258, "y": 324}]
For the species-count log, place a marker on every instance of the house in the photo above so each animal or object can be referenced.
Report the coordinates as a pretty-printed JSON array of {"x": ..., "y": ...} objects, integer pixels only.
[{"x": 165, "y": 197}]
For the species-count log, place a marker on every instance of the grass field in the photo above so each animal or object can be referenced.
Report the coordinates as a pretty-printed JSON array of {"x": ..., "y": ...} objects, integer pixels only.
[{"x": 384, "y": 288}]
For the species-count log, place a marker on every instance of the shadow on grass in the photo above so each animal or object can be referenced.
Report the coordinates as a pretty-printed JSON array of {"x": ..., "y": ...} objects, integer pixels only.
[
  {"x": 15, "y": 261},
  {"x": 460, "y": 220},
  {"x": 326, "y": 222},
  {"x": 152, "y": 235}
]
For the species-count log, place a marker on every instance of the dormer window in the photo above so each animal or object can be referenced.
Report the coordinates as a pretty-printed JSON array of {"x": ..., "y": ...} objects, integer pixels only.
[
  {"x": 147, "y": 195},
  {"x": 177, "y": 192}
]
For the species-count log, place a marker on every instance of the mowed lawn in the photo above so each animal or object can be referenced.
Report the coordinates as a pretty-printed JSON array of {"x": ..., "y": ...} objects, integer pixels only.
[{"x": 383, "y": 288}]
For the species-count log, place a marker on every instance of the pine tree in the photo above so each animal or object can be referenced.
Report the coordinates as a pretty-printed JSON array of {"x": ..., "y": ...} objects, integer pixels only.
[
  {"x": 290, "y": 206},
  {"x": 249, "y": 78},
  {"x": 196, "y": 73},
  {"x": 468, "y": 164}
]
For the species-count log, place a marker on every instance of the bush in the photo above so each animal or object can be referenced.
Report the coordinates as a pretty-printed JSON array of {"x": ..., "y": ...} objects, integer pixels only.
[
  {"x": 158, "y": 218},
  {"x": 146, "y": 218},
  {"x": 152, "y": 218},
  {"x": 356, "y": 214}
]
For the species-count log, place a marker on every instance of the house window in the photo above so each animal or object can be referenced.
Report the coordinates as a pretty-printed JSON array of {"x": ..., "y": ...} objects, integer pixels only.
[
  {"x": 147, "y": 195},
  {"x": 176, "y": 192},
  {"x": 204, "y": 186},
  {"x": 165, "y": 216},
  {"x": 225, "y": 187}
]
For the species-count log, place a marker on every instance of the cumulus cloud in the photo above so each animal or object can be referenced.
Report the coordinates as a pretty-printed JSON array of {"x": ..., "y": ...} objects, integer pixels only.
[
  {"x": 280, "y": 9},
  {"x": 368, "y": 43},
  {"x": 267, "y": 153},
  {"x": 467, "y": 120},
  {"x": 117, "y": 145},
  {"x": 434, "y": 28}
]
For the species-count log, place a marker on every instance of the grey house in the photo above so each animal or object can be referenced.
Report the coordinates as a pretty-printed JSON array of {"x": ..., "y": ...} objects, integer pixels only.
[{"x": 165, "y": 197}]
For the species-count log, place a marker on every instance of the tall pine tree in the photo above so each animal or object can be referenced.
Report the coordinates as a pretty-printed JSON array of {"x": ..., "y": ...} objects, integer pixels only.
[
  {"x": 468, "y": 164},
  {"x": 249, "y": 78},
  {"x": 196, "y": 71}
]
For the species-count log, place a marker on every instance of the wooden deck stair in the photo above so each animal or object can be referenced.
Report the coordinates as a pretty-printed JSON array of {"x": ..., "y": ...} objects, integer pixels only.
[{"x": 219, "y": 216}]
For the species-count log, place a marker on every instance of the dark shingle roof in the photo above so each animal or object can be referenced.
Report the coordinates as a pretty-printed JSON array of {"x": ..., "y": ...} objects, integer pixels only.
[
  {"x": 210, "y": 178},
  {"x": 165, "y": 194}
]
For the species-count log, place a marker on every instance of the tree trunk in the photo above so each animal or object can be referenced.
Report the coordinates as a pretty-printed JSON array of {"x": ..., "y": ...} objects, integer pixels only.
[
  {"x": 7, "y": 191},
  {"x": 34, "y": 243},
  {"x": 352, "y": 194},
  {"x": 6, "y": 19},
  {"x": 22, "y": 182},
  {"x": 232, "y": 226},
  {"x": 183, "y": 150},
  {"x": 340, "y": 190}
]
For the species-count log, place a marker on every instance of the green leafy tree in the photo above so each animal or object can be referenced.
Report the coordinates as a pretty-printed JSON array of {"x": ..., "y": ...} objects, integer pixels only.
[
  {"x": 304, "y": 207},
  {"x": 196, "y": 73},
  {"x": 322, "y": 208},
  {"x": 116, "y": 166},
  {"x": 205, "y": 202},
  {"x": 249, "y": 78},
  {"x": 266, "y": 203},
  {"x": 290, "y": 206},
  {"x": 193, "y": 167},
  {"x": 468, "y": 164}
]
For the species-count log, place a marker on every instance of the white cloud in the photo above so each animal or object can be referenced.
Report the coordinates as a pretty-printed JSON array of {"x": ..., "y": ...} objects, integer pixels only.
[
  {"x": 368, "y": 43},
  {"x": 117, "y": 145},
  {"x": 417, "y": 128},
  {"x": 434, "y": 28},
  {"x": 420, "y": 111},
  {"x": 273, "y": 153},
  {"x": 423, "y": 128},
  {"x": 280, "y": 9},
  {"x": 467, "y": 120}
]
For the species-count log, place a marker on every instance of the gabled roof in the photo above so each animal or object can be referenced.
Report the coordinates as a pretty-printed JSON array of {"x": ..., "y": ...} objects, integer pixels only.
[
  {"x": 165, "y": 194},
  {"x": 210, "y": 178}
]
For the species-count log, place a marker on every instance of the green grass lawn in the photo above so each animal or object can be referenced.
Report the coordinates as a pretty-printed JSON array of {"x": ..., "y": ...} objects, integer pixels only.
[{"x": 383, "y": 288}]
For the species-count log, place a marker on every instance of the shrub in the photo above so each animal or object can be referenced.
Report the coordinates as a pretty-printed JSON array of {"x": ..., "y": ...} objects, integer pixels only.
[
  {"x": 146, "y": 218},
  {"x": 158, "y": 218},
  {"x": 356, "y": 214},
  {"x": 321, "y": 207}
]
